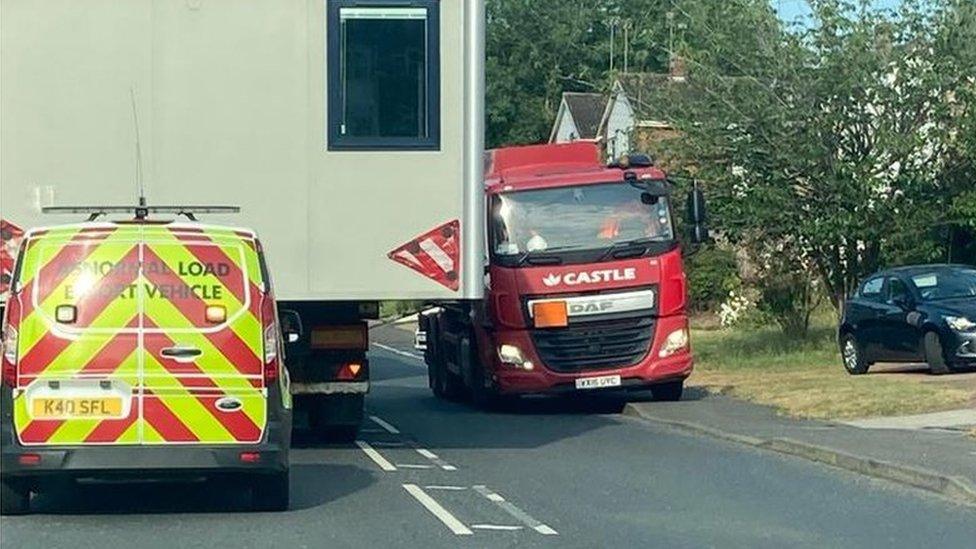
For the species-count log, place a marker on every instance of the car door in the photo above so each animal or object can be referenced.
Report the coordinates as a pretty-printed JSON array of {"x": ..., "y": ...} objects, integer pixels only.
[
  {"x": 865, "y": 314},
  {"x": 898, "y": 337},
  {"x": 203, "y": 372}
]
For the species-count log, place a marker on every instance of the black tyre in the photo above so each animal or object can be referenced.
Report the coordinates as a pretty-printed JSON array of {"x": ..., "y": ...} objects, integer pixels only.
[
  {"x": 668, "y": 392},
  {"x": 447, "y": 384},
  {"x": 483, "y": 396},
  {"x": 853, "y": 355},
  {"x": 270, "y": 492},
  {"x": 14, "y": 497},
  {"x": 935, "y": 355}
]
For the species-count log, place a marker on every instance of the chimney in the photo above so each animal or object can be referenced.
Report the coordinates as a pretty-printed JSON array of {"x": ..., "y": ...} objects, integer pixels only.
[{"x": 677, "y": 68}]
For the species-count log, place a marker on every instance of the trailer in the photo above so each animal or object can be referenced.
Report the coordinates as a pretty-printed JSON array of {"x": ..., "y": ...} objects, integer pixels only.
[{"x": 349, "y": 132}]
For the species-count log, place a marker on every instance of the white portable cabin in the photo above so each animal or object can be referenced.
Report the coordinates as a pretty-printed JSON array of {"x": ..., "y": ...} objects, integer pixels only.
[{"x": 344, "y": 129}]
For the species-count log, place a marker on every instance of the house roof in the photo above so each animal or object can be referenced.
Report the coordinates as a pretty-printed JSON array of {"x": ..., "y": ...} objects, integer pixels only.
[
  {"x": 587, "y": 111},
  {"x": 648, "y": 91}
]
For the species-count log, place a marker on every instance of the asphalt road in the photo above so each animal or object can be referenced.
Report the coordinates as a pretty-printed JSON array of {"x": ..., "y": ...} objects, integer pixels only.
[{"x": 546, "y": 473}]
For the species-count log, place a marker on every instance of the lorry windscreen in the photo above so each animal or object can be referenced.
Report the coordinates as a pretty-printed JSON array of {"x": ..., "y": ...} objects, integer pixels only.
[{"x": 585, "y": 218}]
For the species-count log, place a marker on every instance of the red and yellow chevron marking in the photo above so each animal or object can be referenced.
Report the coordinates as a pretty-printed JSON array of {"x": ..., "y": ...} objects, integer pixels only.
[{"x": 138, "y": 290}]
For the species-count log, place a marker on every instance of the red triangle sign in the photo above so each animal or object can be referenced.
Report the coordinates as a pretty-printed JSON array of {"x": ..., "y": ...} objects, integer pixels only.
[{"x": 435, "y": 254}]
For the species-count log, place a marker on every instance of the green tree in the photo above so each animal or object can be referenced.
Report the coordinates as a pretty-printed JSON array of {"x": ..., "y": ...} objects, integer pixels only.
[{"x": 837, "y": 148}]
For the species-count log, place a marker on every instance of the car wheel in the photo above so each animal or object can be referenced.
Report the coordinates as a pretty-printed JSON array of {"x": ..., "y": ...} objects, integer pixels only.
[
  {"x": 14, "y": 497},
  {"x": 935, "y": 355},
  {"x": 668, "y": 392},
  {"x": 270, "y": 492},
  {"x": 853, "y": 356}
]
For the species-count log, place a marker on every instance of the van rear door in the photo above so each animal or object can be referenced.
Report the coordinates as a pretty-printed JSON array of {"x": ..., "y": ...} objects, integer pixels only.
[
  {"x": 202, "y": 374},
  {"x": 77, "y": 315}
]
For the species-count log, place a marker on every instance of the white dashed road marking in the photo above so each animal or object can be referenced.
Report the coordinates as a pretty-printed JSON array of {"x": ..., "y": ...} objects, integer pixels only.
[
  {"x": 515, "y": 512},
  {"x": 413, "y": 466},
  {"x": 436, "y": 459},
  {"x": 495, "y": 527},
  {"x": 375, "y": 456},
  {"x": 399, "y": 352},
  {"x": 385, "y": 425},
  {"x": 446, "y": 488},
  {"x": 437, "y": 510},
  {"x": 388, "y": 444}
]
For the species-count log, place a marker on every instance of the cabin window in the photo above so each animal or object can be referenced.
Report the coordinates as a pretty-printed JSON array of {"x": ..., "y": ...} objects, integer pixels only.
[{"x": 383, "y": 75}]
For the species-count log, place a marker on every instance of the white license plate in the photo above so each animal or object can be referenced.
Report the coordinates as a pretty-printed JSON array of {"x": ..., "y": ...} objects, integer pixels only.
[{"x": 598, "y": 382}]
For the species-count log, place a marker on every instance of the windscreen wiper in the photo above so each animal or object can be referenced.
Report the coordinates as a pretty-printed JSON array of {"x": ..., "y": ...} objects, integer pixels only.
[
  {"x": 542, "y": 257},
  {"x": 628, "y": 248}
]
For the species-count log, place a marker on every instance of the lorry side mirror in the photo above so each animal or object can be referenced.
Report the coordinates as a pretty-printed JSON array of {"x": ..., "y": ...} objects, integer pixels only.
[
  {"x": 697, "y": 215},
  {"x": 291, "y": 325}
]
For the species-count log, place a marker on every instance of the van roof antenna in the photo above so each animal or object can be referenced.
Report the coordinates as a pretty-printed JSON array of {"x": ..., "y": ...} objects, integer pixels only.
[{"x": 140, "y": 185}]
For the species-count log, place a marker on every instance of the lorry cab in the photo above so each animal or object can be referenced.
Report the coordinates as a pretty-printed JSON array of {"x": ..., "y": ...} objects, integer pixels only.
[
  {"x": 142, "y": 350},
  {"x": 585, "y": 286}
]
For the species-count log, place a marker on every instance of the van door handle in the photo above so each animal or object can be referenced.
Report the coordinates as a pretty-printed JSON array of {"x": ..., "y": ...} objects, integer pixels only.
[{"x": 181, "y": 352}]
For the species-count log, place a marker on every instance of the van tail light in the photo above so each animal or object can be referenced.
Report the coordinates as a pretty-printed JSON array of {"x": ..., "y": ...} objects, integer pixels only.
[
  {"x": 271, "y": 344},
  {"x": 9, "y": 356}
]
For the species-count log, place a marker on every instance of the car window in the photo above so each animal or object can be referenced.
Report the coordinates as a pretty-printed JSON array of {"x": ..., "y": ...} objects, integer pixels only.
[
  {"x": 897, "y": 290},
  {"x": 949, "y": 283},
  {"x": 871, "y": 290}
]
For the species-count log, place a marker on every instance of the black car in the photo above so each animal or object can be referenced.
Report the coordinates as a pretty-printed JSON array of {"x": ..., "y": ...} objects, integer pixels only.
[{"x": 924, "y": 313}]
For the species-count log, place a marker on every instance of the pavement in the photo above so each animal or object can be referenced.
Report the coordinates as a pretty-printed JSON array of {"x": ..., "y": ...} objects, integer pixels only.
[
  {"x": 545, "y": 473},
  {"x": 958, "y": 420}
]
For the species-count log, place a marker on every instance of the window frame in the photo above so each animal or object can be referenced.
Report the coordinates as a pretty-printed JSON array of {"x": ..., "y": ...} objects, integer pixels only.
[
  {"x": 889, "y": 282},
  {"x": 879, "y": 297},
  {"x": 335, "y": 141}
]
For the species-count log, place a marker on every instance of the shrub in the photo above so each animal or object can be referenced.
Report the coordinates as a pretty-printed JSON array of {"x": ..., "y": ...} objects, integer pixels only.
[{"x": 712, "y": 275}]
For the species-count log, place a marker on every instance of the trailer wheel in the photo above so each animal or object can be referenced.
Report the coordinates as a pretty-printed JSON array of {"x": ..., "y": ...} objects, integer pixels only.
[{"x": 336, "y": 418}]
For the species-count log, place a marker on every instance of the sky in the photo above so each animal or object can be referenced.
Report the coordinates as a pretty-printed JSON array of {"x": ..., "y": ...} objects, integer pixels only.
[{"x": 790, "y": 10}]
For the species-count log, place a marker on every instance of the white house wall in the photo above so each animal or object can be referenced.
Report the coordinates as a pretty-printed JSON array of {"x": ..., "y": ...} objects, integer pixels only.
[
  {"x": 620, "y": 124},
  {"x": 566, "y": 131}
]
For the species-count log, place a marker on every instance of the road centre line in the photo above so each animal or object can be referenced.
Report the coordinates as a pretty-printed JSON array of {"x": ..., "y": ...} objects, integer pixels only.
[
  {"x": 436, "y": 459},
  {"x": 386, "y": 425},
  {"x": 399, "y": 352},
  {"x": 515, "y": 512},
  {"x": 437, "y": 510},
  {"x": 375, "y": 456}
]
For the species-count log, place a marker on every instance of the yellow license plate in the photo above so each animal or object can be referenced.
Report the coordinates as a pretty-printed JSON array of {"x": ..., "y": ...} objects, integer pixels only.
[{"x": 76, "y": 407}]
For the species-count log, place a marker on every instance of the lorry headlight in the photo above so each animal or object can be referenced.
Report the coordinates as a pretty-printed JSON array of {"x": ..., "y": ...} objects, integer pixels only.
[
  {"x": 960, "y": 323},
  {"x": 676, "y": 341},
  {"x": 512, "y": 356}
]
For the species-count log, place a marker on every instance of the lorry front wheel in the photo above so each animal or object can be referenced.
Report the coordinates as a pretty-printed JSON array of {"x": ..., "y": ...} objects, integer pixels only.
[
  {"x": 14, "y": 497},
  {"x": 668, "y": 392},
  {"x": 447, "y": 384}
]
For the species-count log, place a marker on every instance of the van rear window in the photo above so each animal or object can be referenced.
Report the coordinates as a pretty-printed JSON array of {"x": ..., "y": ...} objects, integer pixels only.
[
  {"x": 201, "y": 284},
  {"x": 88, "y": 284}
]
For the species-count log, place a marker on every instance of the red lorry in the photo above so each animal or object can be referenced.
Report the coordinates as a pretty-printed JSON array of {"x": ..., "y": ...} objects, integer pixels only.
[{"x": 585, "y": 288}]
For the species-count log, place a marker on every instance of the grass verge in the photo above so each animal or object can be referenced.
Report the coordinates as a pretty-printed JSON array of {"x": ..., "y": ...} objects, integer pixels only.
[{"x": 806, "y": 379}]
